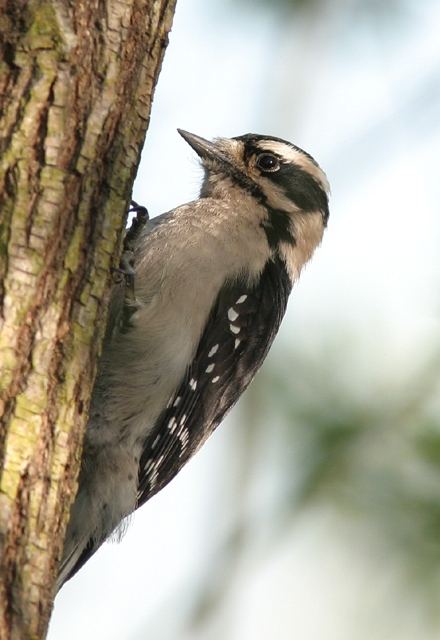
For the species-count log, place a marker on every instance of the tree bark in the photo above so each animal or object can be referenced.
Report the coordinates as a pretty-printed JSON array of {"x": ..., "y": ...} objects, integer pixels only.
[{"x": 76, "y": 83}]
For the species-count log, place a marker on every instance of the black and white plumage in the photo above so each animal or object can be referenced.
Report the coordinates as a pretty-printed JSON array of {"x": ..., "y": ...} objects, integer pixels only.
[{"x": 190, "y": 329}]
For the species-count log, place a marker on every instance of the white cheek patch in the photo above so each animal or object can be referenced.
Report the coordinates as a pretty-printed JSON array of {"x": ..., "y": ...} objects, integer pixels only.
[{"x": 276, "y": 197}]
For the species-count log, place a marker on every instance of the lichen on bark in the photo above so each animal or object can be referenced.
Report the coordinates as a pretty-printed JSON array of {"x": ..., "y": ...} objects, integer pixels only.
[{"x": 76, "y": 83}]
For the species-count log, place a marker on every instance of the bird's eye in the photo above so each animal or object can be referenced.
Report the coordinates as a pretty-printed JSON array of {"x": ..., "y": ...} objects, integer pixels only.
[{"x": 267, "y": 162}]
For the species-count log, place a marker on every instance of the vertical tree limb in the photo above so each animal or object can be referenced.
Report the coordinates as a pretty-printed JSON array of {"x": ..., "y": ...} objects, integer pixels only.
[{"x": 76, "y": 83}]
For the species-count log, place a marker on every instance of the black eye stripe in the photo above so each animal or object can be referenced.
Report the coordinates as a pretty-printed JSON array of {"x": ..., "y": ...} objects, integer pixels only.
[{"x": 301, "y": 187}]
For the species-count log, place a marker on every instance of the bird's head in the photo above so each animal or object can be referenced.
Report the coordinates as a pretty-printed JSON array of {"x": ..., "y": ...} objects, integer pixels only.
[
  {"x": 278, "y": 174},
  {"x": 286, "y": 185}
]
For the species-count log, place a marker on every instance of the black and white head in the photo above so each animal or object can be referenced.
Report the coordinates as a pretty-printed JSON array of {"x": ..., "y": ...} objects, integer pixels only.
[{"x": 285, "y": 180}]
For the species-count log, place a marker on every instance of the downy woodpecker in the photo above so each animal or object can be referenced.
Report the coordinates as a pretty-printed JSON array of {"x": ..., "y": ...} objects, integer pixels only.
[{"x": 189, "y": 329}]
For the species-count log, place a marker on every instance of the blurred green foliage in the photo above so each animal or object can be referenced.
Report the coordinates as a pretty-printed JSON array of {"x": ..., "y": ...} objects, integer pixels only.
[
  {"x": 292, "y": 9},
  {"x": 369, "y": 450},
  {"x": 289, "y": 5}
]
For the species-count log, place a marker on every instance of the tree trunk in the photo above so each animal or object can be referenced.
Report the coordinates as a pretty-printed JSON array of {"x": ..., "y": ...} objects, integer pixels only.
[{"x": 76, "y": 82}]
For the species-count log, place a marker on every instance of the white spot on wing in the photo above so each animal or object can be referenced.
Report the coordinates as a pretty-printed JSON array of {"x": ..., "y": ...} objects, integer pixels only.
[
  {"x": 151, "y": 471},
  {"x": 193, "y": 384},
  {"x": 209, "y": 368},
  {"x": 172, "y": 425},
  {"x": 184, "y": 438},
  {"x": 237, "y": 342},
  {"x": 213, "y": 351},
  {"x": 156, "y": 440},
  {"x": 177, "y": 401},
  {"x": 241, "y": 299},
  {"x": 232, "y": 314},
  {"x": 234, "y": 329},
  {"x": 216, "y": 379}
]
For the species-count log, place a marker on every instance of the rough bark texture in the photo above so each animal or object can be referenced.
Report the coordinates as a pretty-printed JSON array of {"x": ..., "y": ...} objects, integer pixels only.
[{"x": 76, "y": 80}]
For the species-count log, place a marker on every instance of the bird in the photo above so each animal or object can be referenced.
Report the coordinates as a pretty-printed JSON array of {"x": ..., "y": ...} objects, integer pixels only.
[{"x": 190, "y": 322}]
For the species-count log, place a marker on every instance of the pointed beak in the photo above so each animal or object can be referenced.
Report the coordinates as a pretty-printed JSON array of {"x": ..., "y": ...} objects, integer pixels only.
[{"x": 204, "y": 148}]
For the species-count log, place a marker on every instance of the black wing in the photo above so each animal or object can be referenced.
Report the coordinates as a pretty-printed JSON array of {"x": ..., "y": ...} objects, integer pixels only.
[{"x": 234, "y": 344}]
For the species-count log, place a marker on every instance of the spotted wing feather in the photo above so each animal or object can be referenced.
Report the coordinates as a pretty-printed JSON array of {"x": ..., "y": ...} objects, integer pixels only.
[{"x": 234, "y": 344}]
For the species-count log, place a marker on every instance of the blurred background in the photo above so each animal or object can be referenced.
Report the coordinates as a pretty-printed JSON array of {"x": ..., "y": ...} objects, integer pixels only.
[{"x": 313, "y": 512}]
